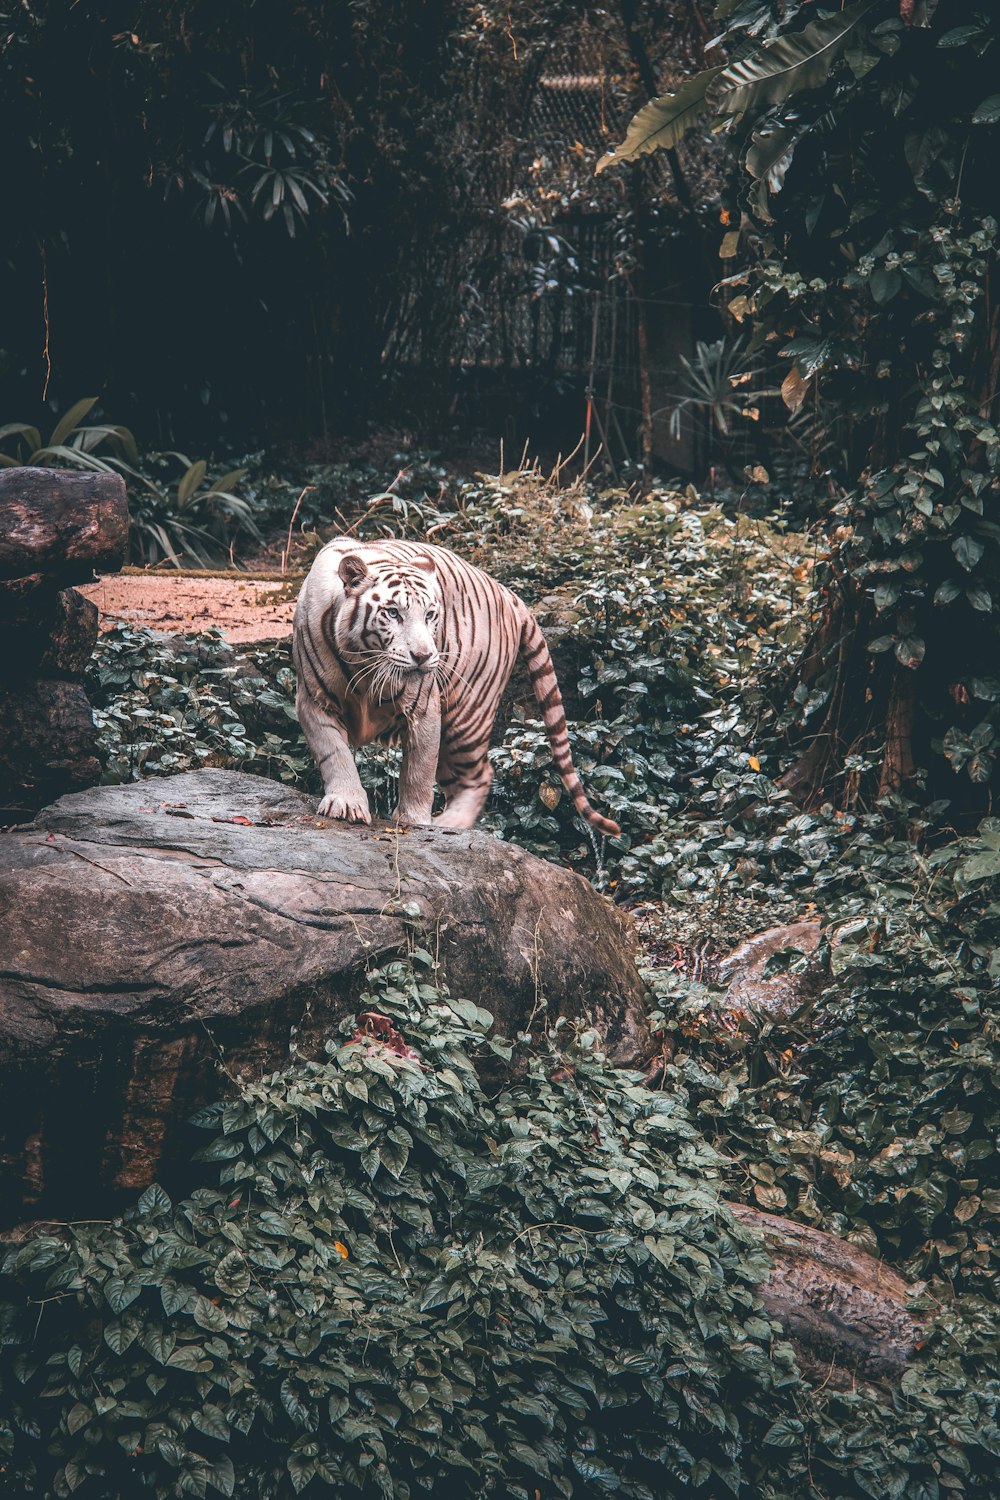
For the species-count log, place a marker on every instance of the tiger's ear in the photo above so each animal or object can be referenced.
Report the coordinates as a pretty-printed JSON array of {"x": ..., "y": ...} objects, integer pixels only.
[
  {"x": 353, "y": 570},
  {"x": 425, "y": 564}
]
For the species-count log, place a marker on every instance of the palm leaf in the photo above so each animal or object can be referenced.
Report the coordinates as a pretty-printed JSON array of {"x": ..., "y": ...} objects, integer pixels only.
[
  {"x": 664, "y": 121},
  {"x": 770, "y": 152},
  {"x": 770, "y": 74},
  {"x": 22, "y": 429},
  {"x": 76, "y": 458},
  {"x": 70, "y": 421},
  {"x": 190, "y": 482}
]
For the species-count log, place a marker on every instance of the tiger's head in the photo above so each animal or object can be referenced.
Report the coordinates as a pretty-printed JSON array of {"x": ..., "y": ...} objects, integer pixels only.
[{"x": 392, "y": 616}]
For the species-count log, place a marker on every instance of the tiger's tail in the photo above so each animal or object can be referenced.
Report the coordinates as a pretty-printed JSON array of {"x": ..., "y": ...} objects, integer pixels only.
[{"x": 546, "y": 689}]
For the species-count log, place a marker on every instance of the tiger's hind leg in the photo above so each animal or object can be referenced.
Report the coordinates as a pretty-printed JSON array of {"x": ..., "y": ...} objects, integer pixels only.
[{"x": 465, "y": 781}]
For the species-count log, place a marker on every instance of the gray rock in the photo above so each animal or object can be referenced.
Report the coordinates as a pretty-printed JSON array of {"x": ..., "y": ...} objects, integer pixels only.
[
  {"x": 848, "y": 1315},
  {"x": 153, "y": 933},
  {"x": 779, "y": 997}
]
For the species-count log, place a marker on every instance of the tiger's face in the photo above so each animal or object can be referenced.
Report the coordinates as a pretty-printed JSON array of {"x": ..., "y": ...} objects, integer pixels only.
[{"x": 392, "y": 617}]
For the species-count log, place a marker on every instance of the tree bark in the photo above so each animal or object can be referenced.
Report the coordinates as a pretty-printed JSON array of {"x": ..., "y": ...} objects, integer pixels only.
[
  {"x": 642, "y": 322},
  {"x": 66, "y": 526},
  {"x": 898, "y": 765},
  {"x": 834, "y": 647},
  {"x": 48, "y": 744},
  {"x": 55, "y": 528},
  {"x": 886, "y": 713},
  {"x": 47, "y": 632}
]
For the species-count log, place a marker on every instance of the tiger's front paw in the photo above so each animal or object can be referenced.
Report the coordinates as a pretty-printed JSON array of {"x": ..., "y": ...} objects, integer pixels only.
[{"x": 352, "y": 807}]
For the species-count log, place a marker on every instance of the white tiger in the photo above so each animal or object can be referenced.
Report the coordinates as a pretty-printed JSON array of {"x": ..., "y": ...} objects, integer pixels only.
[{"x": 399, "y": 639}]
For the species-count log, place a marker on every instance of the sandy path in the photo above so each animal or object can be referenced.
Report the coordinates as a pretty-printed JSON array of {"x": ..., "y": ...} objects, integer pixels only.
[{"x": 245, "y": 610}]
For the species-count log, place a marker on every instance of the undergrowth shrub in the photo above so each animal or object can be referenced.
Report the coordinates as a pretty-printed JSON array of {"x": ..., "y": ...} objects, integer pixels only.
[
  {"x": 164, "y": 704},
  {"x": 389, "y": 1283},
  {"x": 874, "y": 1114},
  {"x": 395, "y": 1285},
  {"x": 569, "y": 1349},
  {"x": 178, "y": 514}
]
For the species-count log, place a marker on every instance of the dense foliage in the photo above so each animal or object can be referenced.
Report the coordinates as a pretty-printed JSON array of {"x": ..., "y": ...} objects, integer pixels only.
[
  {"x": 685, "y": 754},
  {"x": 383, "y": 1277},
  {"x": 185, "y": 1347},
  {"x": 872, "y": 1114},
  {"x": 299, "y": 205},
  {"x": 866, "y": 213},
  {"x": 395, "y": 1284}
]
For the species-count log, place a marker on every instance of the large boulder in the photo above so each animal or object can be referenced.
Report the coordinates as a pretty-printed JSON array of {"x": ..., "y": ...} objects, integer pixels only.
[{"x": 154, "y": 933}]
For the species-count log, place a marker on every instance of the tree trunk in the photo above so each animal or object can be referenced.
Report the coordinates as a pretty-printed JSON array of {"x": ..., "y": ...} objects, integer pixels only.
[
  {"x": 897, "y": 763},
  {"x": 642, "y": 322},
  {"x": 47, "y": 632},
  {"x": 48, "y": 744},
  {"x": 66, "y": 526},
  {"x": 647, "y": 78},
  {"x": 874, "y": 703},
  {"x": 832, "y": 647},
  {"x": 54, "y": 528}
]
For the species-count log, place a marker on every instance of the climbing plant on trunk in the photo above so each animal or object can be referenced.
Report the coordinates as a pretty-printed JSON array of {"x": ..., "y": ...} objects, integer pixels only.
[{"x": 864, "y": 206}]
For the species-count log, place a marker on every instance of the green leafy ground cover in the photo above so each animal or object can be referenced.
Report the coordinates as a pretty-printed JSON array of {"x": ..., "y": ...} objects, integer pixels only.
[
  {"x": 388, "y": 1283},
  {"x": 395, "y": 1282},
  {"x": 589, "y": 1356}
]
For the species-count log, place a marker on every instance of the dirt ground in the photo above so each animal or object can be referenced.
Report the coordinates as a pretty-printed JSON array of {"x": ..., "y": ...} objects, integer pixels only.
[{"x": 245, "y": 609}]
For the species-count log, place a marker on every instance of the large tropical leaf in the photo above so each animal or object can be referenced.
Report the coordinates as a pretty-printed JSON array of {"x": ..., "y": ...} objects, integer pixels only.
[
  {"x": 190, "y": 482},
  {"x": 664, "y": 121},
  {"x": 772, "y": 73},
  {"x": 789, "y": 64},
  {"x": 225, "y": 483},
  {"x": 770, "y": 152},
  {"x": 70, "y": 421},
  {"x": 22, "y": 429}
]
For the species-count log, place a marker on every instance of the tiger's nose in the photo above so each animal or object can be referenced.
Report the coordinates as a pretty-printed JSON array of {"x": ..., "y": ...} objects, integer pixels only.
[{"x": 419, "y": 657}]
